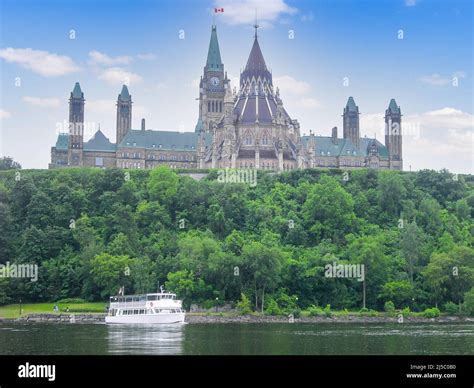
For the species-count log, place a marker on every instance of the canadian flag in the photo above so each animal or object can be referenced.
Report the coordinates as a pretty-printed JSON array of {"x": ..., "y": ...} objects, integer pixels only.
[{"x": 218, "y": 10}]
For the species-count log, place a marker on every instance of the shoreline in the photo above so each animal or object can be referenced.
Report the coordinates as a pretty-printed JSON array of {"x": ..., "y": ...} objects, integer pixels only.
[{"x": 203, "y": 318}]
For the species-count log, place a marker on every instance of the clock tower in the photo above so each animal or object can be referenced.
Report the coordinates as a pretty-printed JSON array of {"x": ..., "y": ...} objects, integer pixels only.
[{"x": 212, "y": 87}]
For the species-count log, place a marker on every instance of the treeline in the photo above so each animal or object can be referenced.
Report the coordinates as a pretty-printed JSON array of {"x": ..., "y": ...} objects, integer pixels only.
[{"x": 91, "y": 231}]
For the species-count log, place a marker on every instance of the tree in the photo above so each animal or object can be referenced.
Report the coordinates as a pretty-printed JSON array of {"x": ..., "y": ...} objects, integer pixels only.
[
  {"x": 411, "y": 244},
  {"x": 110, "y": 273},
  {"x": 162, "y": 184},
  {"x": 185, "y": 285},
  {"x": 391, "y": 193},
  {"x": 329, "y": 210},
  {"x": 370, "y": 252},
  {"x": 7, "y": 163},
  {"x": 449, "y": 276},
  {"x": 399, "y": 292},
  {"x": 264, "y": 265}
]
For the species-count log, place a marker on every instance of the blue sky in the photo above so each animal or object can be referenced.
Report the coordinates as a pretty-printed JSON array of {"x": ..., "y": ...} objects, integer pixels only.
[{"x": 416, "y": 51}]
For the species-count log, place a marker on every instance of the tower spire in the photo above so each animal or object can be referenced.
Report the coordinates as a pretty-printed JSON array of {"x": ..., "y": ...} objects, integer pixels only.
[
  {"x": 256, "y": 26},
  {"x": 214, "y": 62}
]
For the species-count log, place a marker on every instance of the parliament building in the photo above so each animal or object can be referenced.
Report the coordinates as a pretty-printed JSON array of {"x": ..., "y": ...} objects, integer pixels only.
[{"x": 244, "y": 127}]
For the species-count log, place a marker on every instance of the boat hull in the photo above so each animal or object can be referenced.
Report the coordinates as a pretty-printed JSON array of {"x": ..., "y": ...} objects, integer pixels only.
[{"x": 147, "y": 318}]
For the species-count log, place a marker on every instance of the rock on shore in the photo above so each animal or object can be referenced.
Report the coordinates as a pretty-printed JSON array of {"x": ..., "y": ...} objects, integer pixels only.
[{"x": 194, "y": 318}]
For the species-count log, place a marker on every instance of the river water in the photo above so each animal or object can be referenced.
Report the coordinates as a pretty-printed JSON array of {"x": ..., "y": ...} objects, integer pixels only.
[{"x": 237, "y": 339}]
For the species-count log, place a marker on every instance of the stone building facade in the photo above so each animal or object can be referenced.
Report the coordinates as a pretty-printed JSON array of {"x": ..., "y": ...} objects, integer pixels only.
[{"x": 247, "y": 127}]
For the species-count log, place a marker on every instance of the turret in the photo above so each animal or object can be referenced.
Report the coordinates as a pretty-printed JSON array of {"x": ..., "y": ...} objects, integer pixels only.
[
  {"x": 393, "y": 135},
  {"x": 76, "y": 126},
  {"x": 334, "y": 135},
  {"x": 124, "y": 113},
  {"x": 351, "y": 122}
]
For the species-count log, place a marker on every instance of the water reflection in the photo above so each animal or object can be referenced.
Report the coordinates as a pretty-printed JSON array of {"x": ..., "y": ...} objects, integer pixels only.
[{"x": 145, "y": 339}]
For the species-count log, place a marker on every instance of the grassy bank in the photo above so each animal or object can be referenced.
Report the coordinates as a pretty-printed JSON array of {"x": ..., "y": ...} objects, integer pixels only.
[{"x": 13, "y": 310}]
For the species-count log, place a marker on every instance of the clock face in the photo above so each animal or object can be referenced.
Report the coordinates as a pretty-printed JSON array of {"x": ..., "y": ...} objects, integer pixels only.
[{"x": 214, "y": 81}]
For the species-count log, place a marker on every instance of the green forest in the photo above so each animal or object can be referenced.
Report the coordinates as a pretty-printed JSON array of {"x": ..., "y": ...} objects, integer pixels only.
[{"x": 259, "y": 247}]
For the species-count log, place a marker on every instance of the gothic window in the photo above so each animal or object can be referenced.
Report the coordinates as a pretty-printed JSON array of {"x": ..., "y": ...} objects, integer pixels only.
[
  {"x": 212, "y": 106},
  {"x": 209, "y": 106},
  {"x": 248, "y": 140}
]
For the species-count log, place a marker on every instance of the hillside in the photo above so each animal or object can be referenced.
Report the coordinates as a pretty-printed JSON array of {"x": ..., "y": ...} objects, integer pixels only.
[{"x": 91, "y": 231}]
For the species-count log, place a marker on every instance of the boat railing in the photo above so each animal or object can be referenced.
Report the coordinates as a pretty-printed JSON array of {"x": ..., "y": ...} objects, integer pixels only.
[{"x": 127, "y": 304}]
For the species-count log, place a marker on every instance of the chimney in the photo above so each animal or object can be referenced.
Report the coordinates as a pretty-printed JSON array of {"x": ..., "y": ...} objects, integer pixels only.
[
  {"x": 334, "y": 135},
  {"x": 143, "y": 124}
]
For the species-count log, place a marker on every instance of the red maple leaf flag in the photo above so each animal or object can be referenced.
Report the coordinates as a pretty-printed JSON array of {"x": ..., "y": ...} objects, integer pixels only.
[{"x": 218, "y": 10}]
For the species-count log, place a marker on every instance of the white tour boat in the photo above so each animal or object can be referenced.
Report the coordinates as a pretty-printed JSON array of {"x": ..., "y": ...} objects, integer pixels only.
[{"x": 162, "y": 307}]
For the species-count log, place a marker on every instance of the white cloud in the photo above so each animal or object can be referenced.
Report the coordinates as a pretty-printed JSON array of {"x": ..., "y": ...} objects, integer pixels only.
[
  {"x": 439, "y": 80},
  {"x": 4, "y": 114},
  {"x": 420, "y": 124},
  {"x": 445, "y": 118},
  {"x": 42, "y": 102},
  {"x": 310, "y": 103},
  {"x": 372, "y": 123},
  {"x": 146, "y": 56},
  {"x": 119, "y": 76},
  {"x": 41, "y": 62},
  {"x": 98, "y": 58},
  {"x": 307, "y": 17},
  {"x": 289, "y": 85},
  {"x": 433, "y": 139},
  {"x": 105, "y": 107},
  {"x": 195, "y": 83},
  {"x": 243, "y": 11}
]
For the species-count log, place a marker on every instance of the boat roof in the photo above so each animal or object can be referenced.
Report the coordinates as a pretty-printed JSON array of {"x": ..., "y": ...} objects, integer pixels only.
[{"x": 140, "y": 295}]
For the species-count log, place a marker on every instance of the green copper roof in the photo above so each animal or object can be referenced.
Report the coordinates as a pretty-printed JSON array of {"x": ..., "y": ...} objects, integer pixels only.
[
  {"x": 62, "y": 142},
  {"x": 393, "y": 107},
  {"x": 164, "y": 140},
  {"x": 77, "y": 92},
  {"x": 99, "y": 143},
  {"x": 199, "y": 126},
  {"x": 214, "y": 62},
  {"x": 351, "y": 105},
  {"x": 124, "y": 94},
  {"x": 344, "y": 147}
]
